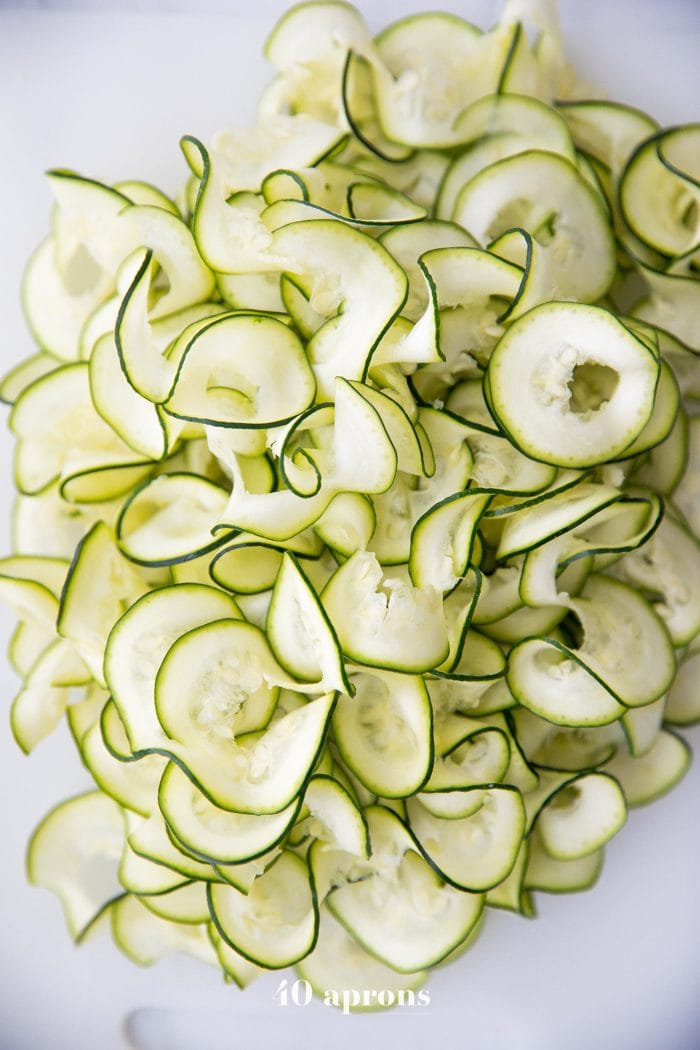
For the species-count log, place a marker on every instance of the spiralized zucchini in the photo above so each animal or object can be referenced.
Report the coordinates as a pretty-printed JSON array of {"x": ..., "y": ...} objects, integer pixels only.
[{"x": 357, "y": 488}]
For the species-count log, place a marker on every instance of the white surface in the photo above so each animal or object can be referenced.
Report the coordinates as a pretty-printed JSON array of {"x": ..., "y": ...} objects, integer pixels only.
[{"x": 617, "y": 968}]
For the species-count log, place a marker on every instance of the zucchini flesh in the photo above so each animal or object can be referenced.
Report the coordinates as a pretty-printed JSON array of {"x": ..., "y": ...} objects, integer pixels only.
[
  {"x": 75, "y": 853},
  {"x": 39, "y": 705},
  {"x": 403, "y": 913},
  {"x": 138, "y": 643},
  {"x": 145, "y": 937},
  {"x": 477, "y": 851},
  {"x": 133, "y": 785},
  {"x": 386, "y": 624},
  {"x": 275, "y": 924},
  {"x": 589, "y": 395},
  {"x": 186, "y": 904},
  {"x": 222, "y": 837},
  {"x": 244, "y": 371},
  {"x": 139, "y": 874},
  {"x": 296, "y": 623},
  {"x": 384, "y": 731},
  {"x": 339, "y": 962},
  {"x": 646, "y": 777},
  {"x": 232, "y": 682},
  {"x": 581, "y": 816},
  {"x": 572, "y": 224},
  {"x": 561, "y": 876}
]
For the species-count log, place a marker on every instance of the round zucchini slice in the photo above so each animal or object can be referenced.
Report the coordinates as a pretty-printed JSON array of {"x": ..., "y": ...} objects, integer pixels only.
[
  {"x": 571, "y": 385},
  {"x": 568, "y": 219}
]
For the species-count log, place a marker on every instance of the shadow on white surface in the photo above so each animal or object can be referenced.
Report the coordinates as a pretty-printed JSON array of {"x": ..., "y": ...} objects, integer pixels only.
[{"x": 157, "y": 1029}]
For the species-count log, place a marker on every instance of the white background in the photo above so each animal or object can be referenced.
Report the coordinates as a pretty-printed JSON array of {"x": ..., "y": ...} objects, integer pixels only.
[{"x": 108, "y": 88}]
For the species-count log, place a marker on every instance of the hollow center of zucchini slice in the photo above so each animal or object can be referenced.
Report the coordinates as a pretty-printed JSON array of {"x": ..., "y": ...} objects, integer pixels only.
[
  {"x": 688, "y": 211},
  {"x": 81, "y": 272},
  {"x": 572, "y": 630},
  {"x": 159, "y": 288},
  {"x": 223, "y": 691},
  {"x": 471, "y": 752},
  {"x": 591, "y": 386},
  {"x": 377, "y": 718},
  {"x": 567, "y": 798},
  {"x": 555, "y": 664},
  {"x": 523, "y": 212},
  {"x": 326, "y": 294},
  {"x": 546, "y": 229},
  {"x": 231, "y": 388}
]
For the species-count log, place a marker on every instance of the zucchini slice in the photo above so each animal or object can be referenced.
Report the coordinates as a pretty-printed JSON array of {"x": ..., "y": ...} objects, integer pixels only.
[
  {"x": 432, "y": 66},
  {"x": 134, "y": 785},
  {"x": 665, "y": 169},
  {"x": 75, "y": 853},
  {"x": 471, "y": 754},
  {"x": 219, "y": 836},
  {"x": 581, "y": 816},
  {"x": 300, "y": 633},
  {"x": 140, "y": 875},
  {"x": 403, "y": 913},
  {"x": 590, "y": 384},
  {"x": 45, "y": 693},
  {"x": 646, "y": 777},
  {"x": 146, "y": 937},
  {"x": 276, "y": 923},
  {"x": 547, "y": 679},
  {"x": 58, "y": 300},
  {"x": 150, "y": 838},
  {"x": 242, "y": 370},
  {"x": 384, "y": 731},
  {"x": 667, "y": 568},
  {"x": 683, "y": 703},
  {"x": 151, "y": 529},
  {"x": 342, "y": 263},
  {"x": 334, "y": 818},
  {"x": 477, "y": 851},
  {"x": 16, "y": 381},
  {"x": 552, "y": 875},
  {"x": 99, "y": 586},
  {"x": 237, "y": 969},
  {"x": 231, "y": 682},
  {"x": 442, "y": 541},
  {"x": 339, "y": 963},
  {"x": 61, "y": 437},
  {"x": 382, "y": 620},
  {"x": 185, "y": 904},
  {"x": 138, "y": 643},
  {"x": 133, "y": 418},
  {"x": 571, "y": 225}
]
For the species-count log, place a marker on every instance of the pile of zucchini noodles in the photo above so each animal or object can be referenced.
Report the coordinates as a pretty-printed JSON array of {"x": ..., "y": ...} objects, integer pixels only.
[{"x": 355, "y": 532}]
